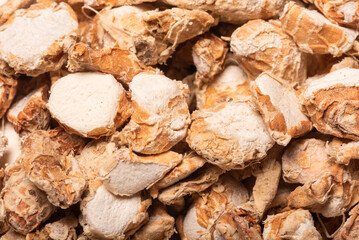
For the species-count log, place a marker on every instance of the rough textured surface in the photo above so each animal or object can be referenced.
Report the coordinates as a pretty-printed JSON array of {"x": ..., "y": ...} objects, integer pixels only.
[
  {"x": 263, "y": 46},
  {"x": 242, "y": 141},
  {"x": 350, "y": 230},
  {"x": 8, "y": 7},
  {"x": 342, "y": 151},
  {"x": 113, "y": 3},
  {"x": 8, "y": 88}
]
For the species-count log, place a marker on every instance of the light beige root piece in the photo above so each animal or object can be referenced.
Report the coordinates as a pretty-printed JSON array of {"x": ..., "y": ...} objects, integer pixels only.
[
  {"x": 107, "y": 216},
  {"x": 209, "y": 54},
  {"x": 47, "y": 160},
  {"x": 7, "y": 93},
  {"x": 160, "y": 225},
  {"x": 12, "y": 235},
  {"x": 195, "y": 183},
  {"x": 26, "y": 206},
  {"x": 89, "y": 104},
  {"x": 121, "y": 63},
  {"x": 160, "y": 116},
  {"x": 230, "y": 85},
  {"x": 8, "y": 7},
  {"x": 113, "y": 3},
  {"x": 151, "y": 34},
  {"x": 331, "y": 102},
  {"x": 263, "y": 46},
  {"x": 349, "y": 231},
  {"x": 13, "y": 147},
  {"x": 234, "y": 12},
  {"x": 29, "y": 113},
  {"x": 224, "y": 137},
  {"x": 200, "y": 218},
  {"x": 123, "y": 172},
  {"x": 32, "y": 42},
  {"x": 294, "y": 224},
  {"x": 341, "y": 151},
  {"x": 63, "y": 229},
  {"x": 347, "y": 62},
  {"x": 315, "y": 34},
  {"x": 238, "y": 223},
  {"x": 284, "y": 119}
]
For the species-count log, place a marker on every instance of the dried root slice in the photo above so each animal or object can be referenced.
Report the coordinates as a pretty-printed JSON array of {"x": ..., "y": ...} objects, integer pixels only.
[
  {"x": 347, "y": 62},
  {"x": 13, "y": 147},
  {"x": 195, "y": 183},
  {"x": 26, "y": 206},
  {"x": 234, "y": 12},
  {"x": 7, "y": 93},
  {"x": 200, "y": 219},
  {"x": 107, "y": 216},
  {"x": 238, "y": 223},
  {"x": 89, "y": 104},
  {"x": 209, "y": 54},
  {"x": 332, "y": 103},
  {"x": 315, "y": 34},
  {"x": 224, "y": 137},
  {"x": 160, "y": 225},
  {"x": 29, "y": 113},
  {"x": 12, "y": 235},
  {"x": 160, "y": 116},
  {"x": 46, "y": 160},
  {"x": 263, "y": 46},
  {"x": 341, "y": 151},
  {"x": 230, "y": 85},
  {"x": 349, "y": 231},
  {"x": 121, "y": 63},
  {"x": 123, "y": 172},
  {"x": 294, "y": 224},
  {"x": 26, "y": 49},
  {"x": 8, "y": 7},
  {"x": 284, "y": 119},
  {"x": 113, "y": 3},
  {"x": 63, "y": 229}
]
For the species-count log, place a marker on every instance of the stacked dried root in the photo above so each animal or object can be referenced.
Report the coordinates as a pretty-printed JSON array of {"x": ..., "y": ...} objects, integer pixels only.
[{"x": 179, "y": 119}]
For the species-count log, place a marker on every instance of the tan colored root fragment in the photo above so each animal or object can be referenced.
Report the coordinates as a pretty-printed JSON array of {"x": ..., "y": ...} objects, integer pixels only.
[
  {"x": 342, "y": 151},
  {"x": 197, "y": 182},
  {"x": 7, "y": 93},
  {"x": 34, "y": 114},
  {"x": 209, "y": 54},
  {"x": 121, "y": 63},
  {"x": 10, "y": 6},
  {"x": 26, "y": 206},
  {"x": 263, "y": 46},
  {"x": 313, "y": 33},
  {"x": 47, "y": 159},
  {"x": 113, "y": 3},
  {"x": 12, "y": 235},
  {"x": 349, "y": 231},
  {"x": 349, "y": 62}
]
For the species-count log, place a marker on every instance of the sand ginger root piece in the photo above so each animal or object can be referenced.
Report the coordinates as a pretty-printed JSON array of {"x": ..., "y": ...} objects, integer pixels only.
[
  {"x": 26, "y": 206},
  {"x": 349, "y": 231},
  {"x": 342, "y": 150},
  {"x": 197, "y": 182},
  {"x": 7, "y": 93},
  {"x": 121, "y": 63},
  {"x": 347, "y": 62},
  {"x": 284, "y": 119},
  {"x": 107, "y": 216},
  {"x": 230, "y": 85},
  {"x": 32, "y": 42},
  {"x": 209, "y": 54},
  {"x": 234, "y": 12},
  {"x": 13, "y": 147},
  {"x": 12, "y": 235},
  {"x": 63, "y": 229},
  {"x": 8, "y": 7},
  {"x": 30, "y": 113},
  {"x": 331, "y": 102},
  {"x": 200, "y": 218},
  {"x": 160, "y": 225},
  {"x": 48, "y": 163},
  {"x": 160, "y": 116},
  {"x": 89, "y": 104},
  {"x": 315, "y": 34},
  {"x": 293, "y": 224},
  {"x": 263, "y": 46},
  {"x": 113, "y": 3},
  {"x": 224, "y": 137},
  {"x": 122, "y": 171}
]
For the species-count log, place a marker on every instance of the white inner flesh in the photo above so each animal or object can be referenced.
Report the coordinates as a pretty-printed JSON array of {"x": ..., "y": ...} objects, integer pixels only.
[
  {"x": 233, "y": 75},
  {"x": 191, "y": 228},
  {"x": 85, "y": 101},
  {"x": 2, "y": 2},
  {"x": 349, "y": 10},
  {"x": 13, "y": 149},
  {"x": 21, "y": 104}
]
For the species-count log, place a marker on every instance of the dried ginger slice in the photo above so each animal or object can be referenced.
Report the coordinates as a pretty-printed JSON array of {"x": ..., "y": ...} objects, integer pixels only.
[
  {"x": 342, "y": 151},
  {"x": 236, "y": 12},
  {"x": 29, "y": 113},
  {"x": 200, "y": 218},
  {"x": 107, "y": 216},
  {"x": 263, "y": 46},
  {"x": 13, "y": 148},
  {"x": 160, "y": 116},
  {"x": 113, "y": 3},
  {"x": 284, "y": 119},
  {"x": 46, "y": 160},
  {"x": 222, "y": 136},
  {"x": 8, "y": 7},
  {"x": 349, "y": 231},
  {"x": 7, "y": 93},
  {"x": 89, "y": 104},
  {"x": 32, "y": 42},
  {"x": 123, "y": 172},
  {"x": 26, "y": 206},
  {"x": 331, "y": 102},
  {"x": 293, "y": 224},
  {"x": 347, "y": 62},
  {"x": 315, "y": 34}
]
